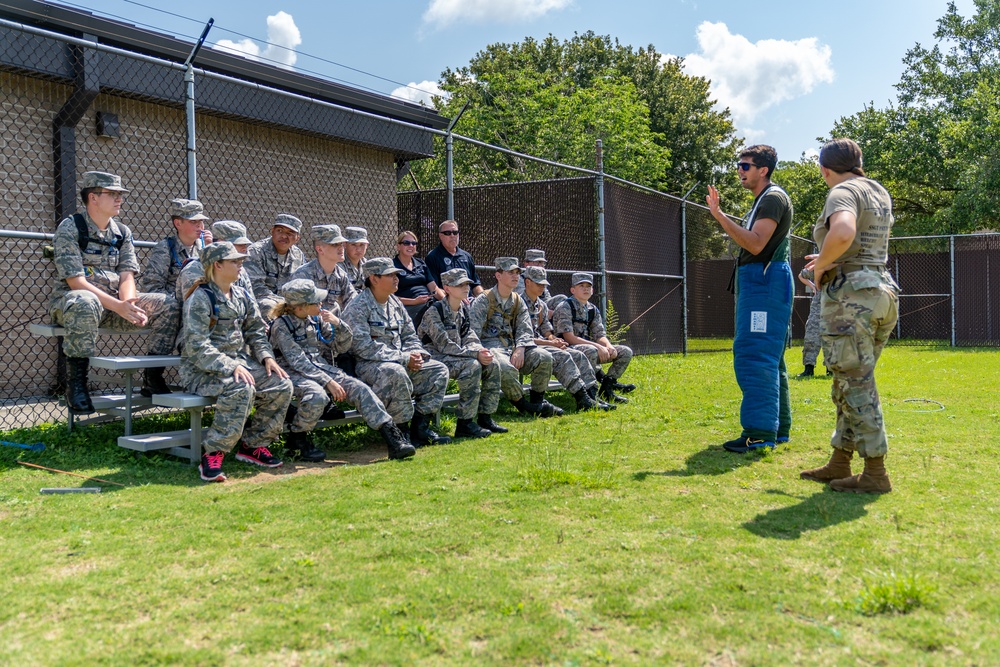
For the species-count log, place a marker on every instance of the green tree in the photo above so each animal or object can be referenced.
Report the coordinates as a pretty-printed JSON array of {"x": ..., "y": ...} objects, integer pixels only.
[{"x": 804, "y": 185}]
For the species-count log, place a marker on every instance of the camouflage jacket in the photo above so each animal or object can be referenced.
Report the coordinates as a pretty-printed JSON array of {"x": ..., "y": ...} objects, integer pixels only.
[
  {"x": 503, "y": 329},
  {"x": 269, "y": 271},
  {"x": 381, "y": 333},
  {"x": 584, "y": 322},
  {"x": 101, "y": 264},
  {"x": 296, "y": 346},
  {"x": 164, "y": 265},
  {"x": 445, "y": 335},
  {"x": 539, "y": 313},
  {"x": 195, "y": 270},
  {"x": 355, "y": 275},
  {"x": 238, "y": 333},
  {"x": 339, "y": 288}
]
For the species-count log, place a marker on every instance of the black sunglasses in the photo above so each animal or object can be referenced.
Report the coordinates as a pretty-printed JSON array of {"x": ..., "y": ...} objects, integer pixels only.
[
  {"x": 745, "y": 166},
  {"x": 449, "y": 232},
  {"x": 407, "y": 243}
]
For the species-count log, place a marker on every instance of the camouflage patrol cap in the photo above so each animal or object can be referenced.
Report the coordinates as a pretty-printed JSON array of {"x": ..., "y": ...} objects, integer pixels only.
[
  {"x": 380, "y": 266},
  {"x": 455, "y": 277},
  {"x": 102, "y": 179},
  {"x": 188, "y": 209},
  {"x": 356, "y": 234},
  {"x": 506, "y": 264},
  {"x": 218, "y": 251},
  {"x": 535, "y": 274},
  {"x": 582, "y": 278},
  {"x": 232, "y": 231},
  {"x": 555, "y": 300},
  {"x": 535, "y": 255},
  {"x": 290, "y": 221},
  {"x": 328, "y": 234},
  {"x": 302, "y": 292}
]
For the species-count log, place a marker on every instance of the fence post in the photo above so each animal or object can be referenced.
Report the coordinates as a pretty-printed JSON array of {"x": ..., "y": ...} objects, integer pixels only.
[
  {"x": 684, "y": 268},
  {"x": 951, "y": 251},
  {"x": 192, "y": 160},
  {"x": 601, "y": 256}
]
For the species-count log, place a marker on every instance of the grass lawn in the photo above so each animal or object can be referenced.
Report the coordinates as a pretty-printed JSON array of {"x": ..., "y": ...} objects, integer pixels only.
[{"x": 621, "y": 538}]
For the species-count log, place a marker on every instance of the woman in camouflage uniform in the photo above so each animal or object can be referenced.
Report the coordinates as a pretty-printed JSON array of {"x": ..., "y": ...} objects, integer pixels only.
[{"x": 226, "y": 355}]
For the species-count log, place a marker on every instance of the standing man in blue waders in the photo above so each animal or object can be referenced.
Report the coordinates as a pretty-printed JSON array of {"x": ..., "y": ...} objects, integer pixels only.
[{"x": 763, "y": 302}]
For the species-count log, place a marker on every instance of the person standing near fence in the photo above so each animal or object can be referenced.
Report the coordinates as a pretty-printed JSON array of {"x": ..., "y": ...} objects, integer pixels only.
[
  {"x": 859, "y": 306},
  {"x": 811, "y": 342},
  {"x": 95, "y": 286},
  {"x": 763, "y": 301}
]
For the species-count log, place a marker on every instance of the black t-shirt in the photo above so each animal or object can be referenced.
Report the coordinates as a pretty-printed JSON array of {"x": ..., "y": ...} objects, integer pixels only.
[
  {"x": 775, "y": 204},
  {"x": 412, "y": 283},
  {"x": 440, "y": 260}
]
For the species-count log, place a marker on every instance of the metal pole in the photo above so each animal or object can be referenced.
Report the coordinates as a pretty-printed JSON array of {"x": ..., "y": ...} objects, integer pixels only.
[
  {"x": 450, "y": 168},
  {"x": 684, "y": 269},
  {"x": 601, "y": 256},
  {"x": 192, "y": 160},
  {"x": 899, "y": 319},
  {"x": 951, "y": 244}
]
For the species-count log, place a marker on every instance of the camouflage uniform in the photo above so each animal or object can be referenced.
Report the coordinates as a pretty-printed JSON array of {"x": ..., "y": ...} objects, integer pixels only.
[
  {"x": 268, "y": 271},
  {"x": 297, "y": 348},
  {"x": 502, "y": 334},
  {"x": 811, "y": 343},
  {"x": 340, "y": 289},
  {"x": 563, "y": 321},
  {"x": 80, "y": 311},
  {"x": 211, "y": 356},
  {"x": 570, "y": 366},
  {"x": 163, "y": 266},
  {"x": 478, "y": 385},
  {"x": 520, "y": 290},
  {"x": 383, "y": 340},
  {"x": 355, "y": 275},
  {"x": 859, "y": 308}
]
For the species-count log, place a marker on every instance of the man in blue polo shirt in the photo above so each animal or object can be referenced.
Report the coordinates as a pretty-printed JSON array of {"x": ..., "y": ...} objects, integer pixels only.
[{"x": 447, "y": 255}]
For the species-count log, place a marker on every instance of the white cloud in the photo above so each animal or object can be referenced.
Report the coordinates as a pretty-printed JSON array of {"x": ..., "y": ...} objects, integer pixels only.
[
  {"x": 442, "y": 13},
  {"x": 751, "y": 77},
  {"x": 421, "y": 93},
  {"x": 283, "y": 36}
]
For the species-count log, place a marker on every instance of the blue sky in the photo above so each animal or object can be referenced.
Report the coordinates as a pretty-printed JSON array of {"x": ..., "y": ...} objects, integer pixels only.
[{"x": 786, "y": 69}]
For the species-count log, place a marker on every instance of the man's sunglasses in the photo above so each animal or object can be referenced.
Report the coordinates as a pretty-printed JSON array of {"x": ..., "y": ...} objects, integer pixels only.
[
  {"x": 745, "y": 166},
  {"x": 449, "y": 232}
]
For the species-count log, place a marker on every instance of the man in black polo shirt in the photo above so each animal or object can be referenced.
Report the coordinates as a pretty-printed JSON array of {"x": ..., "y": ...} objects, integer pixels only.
[{"x": 447, "y": 255}]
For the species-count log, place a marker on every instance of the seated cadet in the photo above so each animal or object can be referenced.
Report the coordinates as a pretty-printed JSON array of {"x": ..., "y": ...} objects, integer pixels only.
[
  {"x": 579, "y": 322},
  {"x": 272, "y": 261},
  {"x": 446, "y": 332},
  {"x": 224, "y": 230},
  {"x": 95, "y": 287},
  {"x": 299, "y": 325},
  {"x": 501, "y": 320},
  {"x": 533, "y": 257},
  {"x": 389, "y": 357},
  {"x": 170, "y": 255},
  {"x": 326, "y": 270},
  {"x": 226, "y": 355},
  {"x": 353, "y": 265},
  {"x": 570, "y": 366}
]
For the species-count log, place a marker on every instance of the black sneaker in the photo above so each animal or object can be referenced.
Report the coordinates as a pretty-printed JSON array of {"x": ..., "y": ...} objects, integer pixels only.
[
  {"x": 742, "y": 445},
  {"x": 260, "y": 456},
  {"x": 210, "y": 467}
]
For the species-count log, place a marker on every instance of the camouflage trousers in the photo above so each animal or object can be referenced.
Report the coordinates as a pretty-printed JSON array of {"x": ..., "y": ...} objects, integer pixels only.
[
  {"x": 856, "y": 323},
  {"x": 572, "y": 368},
  {"x": 811, "y": 344},
  {"x": 81, "y": 313},
  {"x": 395, "y": 384},
  {"x": 537, "y": 364},
  {"x": 478, "y": 385},
  {"x": 270, "y": 394},
  {"x": 618, "y": 366},
  {"x": 313, "y": 399}
]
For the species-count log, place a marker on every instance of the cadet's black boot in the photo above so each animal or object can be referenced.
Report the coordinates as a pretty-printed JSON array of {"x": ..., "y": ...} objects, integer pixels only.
[
  {"x": 153, "y": 382},
  {"x": 526, "y": 408},
  {"x": 422, "y": 433},
  {"x": 486, "y": 421},
  {"x": 77, "y": 396},
  {"x": 399, "y": 446},
  {"x": 291, "y": 412},
  {"x": 592, "y": 392},
  {"x": 302, "y": 444},
  {"x": 607, "y": 391},
  {"x": 332, "y": 412},
  {"x": 810, "y": 371},
  {"x": 624, "y": 388},
  {"x": 584, "y": 401},
  {"x": 548, "y": 410},
  {"x": 467, "y": 428}
]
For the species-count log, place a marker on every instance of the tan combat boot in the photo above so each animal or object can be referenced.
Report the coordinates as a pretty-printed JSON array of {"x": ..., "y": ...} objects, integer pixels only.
[
  {"x": 873, "y": 480},
  {"x": 839, "y": 467}
]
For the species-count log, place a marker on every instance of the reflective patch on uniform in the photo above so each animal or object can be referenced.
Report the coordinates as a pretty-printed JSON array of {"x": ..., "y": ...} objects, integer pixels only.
[{"x": 758, "y": 321}]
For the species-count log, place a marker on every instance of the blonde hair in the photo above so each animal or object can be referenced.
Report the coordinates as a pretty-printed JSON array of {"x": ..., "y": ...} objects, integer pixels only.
[
  {"x": 209, "y": 277},
  {"x": 402, "y": 237}
]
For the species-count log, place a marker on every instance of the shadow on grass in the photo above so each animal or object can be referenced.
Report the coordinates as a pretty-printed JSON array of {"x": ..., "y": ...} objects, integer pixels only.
[
  {"x": 821, "y": 510},
  {"x": 711, "y": 461}
]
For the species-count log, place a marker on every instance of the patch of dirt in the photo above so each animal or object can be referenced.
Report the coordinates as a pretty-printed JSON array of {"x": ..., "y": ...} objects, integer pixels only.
[{"x": 363, "y": 457}]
